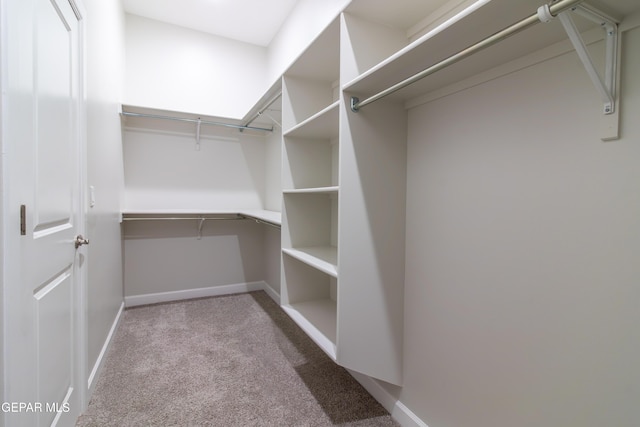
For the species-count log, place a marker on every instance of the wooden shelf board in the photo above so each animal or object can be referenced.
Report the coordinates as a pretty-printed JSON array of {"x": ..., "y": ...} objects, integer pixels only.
[
  {"x": 322, "y": 125},
  {"x": 323, "y": 258},
  {"x": 268, "y": 216}
]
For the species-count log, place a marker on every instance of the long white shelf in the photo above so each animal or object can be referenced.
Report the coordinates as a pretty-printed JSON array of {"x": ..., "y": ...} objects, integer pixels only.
[
  {"x": 451, "y": 37},
  {"x": 318, "y": 319},
  {"x": 322, "y": 125},
  {"x": 264, "y": 215},
  {"x": 261, "y": 214},
  {"x": 323, "y": 258}
]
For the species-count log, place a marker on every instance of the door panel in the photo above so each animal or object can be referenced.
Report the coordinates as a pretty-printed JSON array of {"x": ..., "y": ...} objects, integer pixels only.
[
  {"x": 43, "y": 304},
  {"x": 54, "y": 322},
  {"x": 54, "y": 118}
]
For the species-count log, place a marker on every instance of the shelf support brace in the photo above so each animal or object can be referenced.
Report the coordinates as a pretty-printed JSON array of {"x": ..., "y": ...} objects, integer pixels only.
[
  {"x": 605, "y": 89},
  {"x": 202, "y": 220},
  {"x": 198, "y": 124},
  {"x": 608, "y": 85}
]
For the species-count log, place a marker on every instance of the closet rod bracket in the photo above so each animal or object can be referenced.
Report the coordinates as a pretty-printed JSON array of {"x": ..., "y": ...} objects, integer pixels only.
[
  {"x": 198, "y": 124},
  {"x": 354, "y": 104},
  {"x": 200, "y": 225},
  {"x": 606, "y": 86}
]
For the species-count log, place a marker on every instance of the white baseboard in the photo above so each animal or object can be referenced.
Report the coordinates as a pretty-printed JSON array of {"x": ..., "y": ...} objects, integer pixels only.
[
  {"x": 105, "y": 347},
  {"x": 399, "y": 412},
  {"x": 135, "y": 300},
  {"x": 272, "y": 293},
  {"x": 406, "y": 417}
]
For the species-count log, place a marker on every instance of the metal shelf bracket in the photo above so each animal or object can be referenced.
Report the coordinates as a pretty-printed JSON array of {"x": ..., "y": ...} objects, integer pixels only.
[
  {"x": 608, "y": 85},
  {"x": 198, "y": 124}
]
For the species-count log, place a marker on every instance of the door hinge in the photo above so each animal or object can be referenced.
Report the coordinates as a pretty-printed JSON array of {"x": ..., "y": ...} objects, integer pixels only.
[{"x": 23, "y": 220}]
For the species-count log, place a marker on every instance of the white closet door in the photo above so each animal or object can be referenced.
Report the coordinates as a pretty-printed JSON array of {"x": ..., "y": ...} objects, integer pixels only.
[{"x": 43, "y": 288}]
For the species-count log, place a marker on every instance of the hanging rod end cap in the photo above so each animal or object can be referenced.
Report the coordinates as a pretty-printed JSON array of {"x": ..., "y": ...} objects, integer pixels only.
[
  {"x": 354, "y": 104},
  {"x": 544, "y": 13}
]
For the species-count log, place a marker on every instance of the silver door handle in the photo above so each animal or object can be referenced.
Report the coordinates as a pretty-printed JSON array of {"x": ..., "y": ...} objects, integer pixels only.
[{"x": 80, "y": 241}]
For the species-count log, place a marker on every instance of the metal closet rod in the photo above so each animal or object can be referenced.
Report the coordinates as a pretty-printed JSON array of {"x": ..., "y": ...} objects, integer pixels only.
[
  {"x": 200, "y": 218},
  {"x": 174, "y": 218},
  {"x": 204, "y": 122},
  {"x": 554, "y": 9}
]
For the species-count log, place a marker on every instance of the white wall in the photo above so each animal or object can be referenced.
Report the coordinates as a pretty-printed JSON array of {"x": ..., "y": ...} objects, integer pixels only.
[
  {"x": 105, "y": 80},
  {"x": 174, "y": 68},
  {"x": 305, "y": 22},
  {"x": 165, "y": 257},
  {"x": 522, "y": 267},
  {"x": 231, "y": 170},
  {"x": 166, "y": 171}
]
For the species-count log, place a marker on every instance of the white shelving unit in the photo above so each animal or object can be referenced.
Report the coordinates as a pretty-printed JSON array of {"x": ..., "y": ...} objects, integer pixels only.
[
  {"x": 310, "y": 189},
  {"x": 343, "y": 210},
  {"x": 344, "y": 172}
]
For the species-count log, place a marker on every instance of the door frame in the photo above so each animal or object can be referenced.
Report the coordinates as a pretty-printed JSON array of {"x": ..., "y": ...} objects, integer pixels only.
[
  {"x": 10, "y": 221},
  {"x": 82, "y": 340}
]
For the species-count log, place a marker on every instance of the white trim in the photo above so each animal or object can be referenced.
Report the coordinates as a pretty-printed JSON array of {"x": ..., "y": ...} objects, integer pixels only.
[
  {"x": 82, "y": 268},
  {"x": 134, "y": 300},
  {"x": 272, "y": 293},
  {"x": 97, "y": 367},
  {"x": 406, "y": 417},
  {"x": 398, "y": 410}
]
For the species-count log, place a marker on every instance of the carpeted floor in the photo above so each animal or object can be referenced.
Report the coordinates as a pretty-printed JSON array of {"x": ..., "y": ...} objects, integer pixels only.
[{"x": 235, "y": 360}]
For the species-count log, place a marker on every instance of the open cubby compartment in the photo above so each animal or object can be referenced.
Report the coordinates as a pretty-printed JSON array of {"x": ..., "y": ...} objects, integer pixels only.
[
  {"x": 311, "y": 231},
  {"x": 311, "y": 84},
  {"x": 311, "y": 218},
  {"x": 365, "y": 44},
  {"x": 309, "y": 297},
  {"x": 310, "y": 163},
  {"x": 304, "y": 98},
  {"x": 321, "y": 125}
]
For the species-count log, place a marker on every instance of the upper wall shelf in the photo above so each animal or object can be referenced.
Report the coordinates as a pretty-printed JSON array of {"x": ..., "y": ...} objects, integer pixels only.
[
  {"x": 311, "y": 84},
  {"x": 444, "y": 40},
  {"x": 172, "y": 121},
  {"x": 270, "y": 217}
]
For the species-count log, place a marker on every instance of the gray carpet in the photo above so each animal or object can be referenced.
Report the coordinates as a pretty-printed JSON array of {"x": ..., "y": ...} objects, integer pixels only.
[{"x": 235, "y": 360}]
